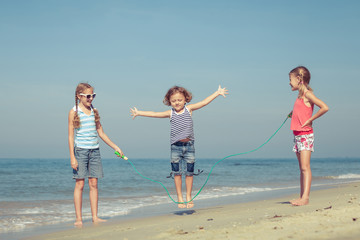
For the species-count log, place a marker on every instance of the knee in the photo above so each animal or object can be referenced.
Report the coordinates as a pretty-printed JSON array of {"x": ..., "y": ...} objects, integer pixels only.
[
  {"x": 79, "y": 185},
  {"x": 93, "y": 184},
  {"x": 305, "y": 169}
]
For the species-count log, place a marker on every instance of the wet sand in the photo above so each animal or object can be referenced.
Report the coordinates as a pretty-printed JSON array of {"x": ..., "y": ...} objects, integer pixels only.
[{"x": 332, "y": 214}]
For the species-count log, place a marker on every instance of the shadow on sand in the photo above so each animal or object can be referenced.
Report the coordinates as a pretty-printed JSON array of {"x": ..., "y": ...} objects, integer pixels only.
[{"x": 185, "y": 212}]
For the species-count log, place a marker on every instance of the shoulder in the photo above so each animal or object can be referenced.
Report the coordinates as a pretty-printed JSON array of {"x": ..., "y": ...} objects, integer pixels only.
[
  {"x": 170, "y": 112},
  {"x": 187, "y": 108},
  {"x": 309, "y": 95},
  {"x": 94, "y": 110},
  {"x": 74, "y": 109},
  {"x": 72, "y": 112}
]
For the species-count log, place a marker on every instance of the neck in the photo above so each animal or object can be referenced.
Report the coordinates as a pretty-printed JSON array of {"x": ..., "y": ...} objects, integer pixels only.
[
  {"x": 82, "y": 106},
  {"x": 181, "y": 110}
]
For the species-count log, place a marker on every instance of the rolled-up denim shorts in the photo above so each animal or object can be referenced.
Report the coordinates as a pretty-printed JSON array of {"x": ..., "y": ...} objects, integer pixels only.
[
  {"x": 90, "y": 164},
  {"x": 303, "y": 142},
  {"x": 183, "y": 158}
]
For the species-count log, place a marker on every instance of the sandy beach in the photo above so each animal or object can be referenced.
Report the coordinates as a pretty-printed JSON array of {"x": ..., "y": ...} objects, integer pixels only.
[{"x": 332, "y": 214}]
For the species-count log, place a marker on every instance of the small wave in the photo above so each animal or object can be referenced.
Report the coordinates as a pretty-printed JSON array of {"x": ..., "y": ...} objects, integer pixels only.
[
  {"x": 344, "y": 176},
  {"x": 231, "y": 191}
]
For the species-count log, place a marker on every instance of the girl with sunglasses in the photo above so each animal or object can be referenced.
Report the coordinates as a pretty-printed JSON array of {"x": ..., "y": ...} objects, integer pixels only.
[{"x": 85, "y": 158}]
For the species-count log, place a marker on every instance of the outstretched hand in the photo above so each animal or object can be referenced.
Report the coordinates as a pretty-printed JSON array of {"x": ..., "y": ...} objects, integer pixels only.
[
  {"x": 134, "y": 112},
  {"x": 222, "y": 91}
]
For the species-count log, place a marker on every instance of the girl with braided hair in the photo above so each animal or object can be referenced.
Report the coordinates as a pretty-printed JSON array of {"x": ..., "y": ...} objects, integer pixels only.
[
  {"x": 301, "y": 123},
  {"x": 85, "y": 158}
]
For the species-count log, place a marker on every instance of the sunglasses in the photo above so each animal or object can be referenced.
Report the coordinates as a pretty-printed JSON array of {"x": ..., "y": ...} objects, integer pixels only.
[{"x": 88, "y": 96}]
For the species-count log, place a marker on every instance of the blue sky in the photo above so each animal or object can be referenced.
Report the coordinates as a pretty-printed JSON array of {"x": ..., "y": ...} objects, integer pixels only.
[{"x": 132, "y": 52}]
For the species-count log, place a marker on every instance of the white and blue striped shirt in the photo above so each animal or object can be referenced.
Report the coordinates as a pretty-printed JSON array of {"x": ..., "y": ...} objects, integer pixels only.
[
  {"x": 86, "y": 136},
  {"x": 181, "y": 126}
]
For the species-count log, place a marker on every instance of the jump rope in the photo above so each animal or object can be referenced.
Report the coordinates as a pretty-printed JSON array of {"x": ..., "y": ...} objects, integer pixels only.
[{"x": 233, "y": 155}]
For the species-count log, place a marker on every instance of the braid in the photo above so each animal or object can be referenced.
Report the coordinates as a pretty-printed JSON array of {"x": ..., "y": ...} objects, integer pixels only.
[
  {"x": 76, "y": 120},
  {"x": 97, "y": 116},
  {"x": 79, "y": 89}
]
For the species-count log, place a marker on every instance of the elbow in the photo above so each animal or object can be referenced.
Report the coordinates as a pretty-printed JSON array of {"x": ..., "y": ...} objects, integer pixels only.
[{"x": 326, "y": 108}]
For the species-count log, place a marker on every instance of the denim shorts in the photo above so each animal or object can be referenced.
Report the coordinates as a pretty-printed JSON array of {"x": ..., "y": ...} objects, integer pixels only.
[
  {"x": 303, "y": 142},
  {"x": 183, "y": 158},
  {"x": 89, "y": 161}
]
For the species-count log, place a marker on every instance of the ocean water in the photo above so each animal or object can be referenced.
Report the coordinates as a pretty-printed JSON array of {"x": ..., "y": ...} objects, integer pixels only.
[{"x": 35, "y": 193}]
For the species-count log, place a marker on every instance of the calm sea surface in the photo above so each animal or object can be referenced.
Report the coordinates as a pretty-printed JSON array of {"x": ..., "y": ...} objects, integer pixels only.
[{"x": 39, "y": 192}]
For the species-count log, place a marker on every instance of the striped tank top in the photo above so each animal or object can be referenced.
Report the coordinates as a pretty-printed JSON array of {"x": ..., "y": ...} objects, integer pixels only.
[
  {"x": 86, "y": 136},
  {"x": 181, "y": 126}
]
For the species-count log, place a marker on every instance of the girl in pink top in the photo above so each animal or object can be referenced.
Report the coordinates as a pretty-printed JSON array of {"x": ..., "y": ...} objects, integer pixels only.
[{"x": 301, "y": 124}]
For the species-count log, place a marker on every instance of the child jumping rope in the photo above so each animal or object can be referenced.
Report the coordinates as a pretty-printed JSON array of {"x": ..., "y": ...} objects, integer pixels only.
[
  {"x": 84, "y": 149},
  {"x": 181, "y": 135},
  {"x": 301, "y": 124}
]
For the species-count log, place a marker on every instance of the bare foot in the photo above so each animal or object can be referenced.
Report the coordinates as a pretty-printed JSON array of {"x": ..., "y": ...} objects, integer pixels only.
[
  {"x": 294, "y": 200},
  {"x": 98, "y": 220},
  {"x": 181, "y": 205},
  {"x": 190, "y": 205},
  {"x": 300, "y": 202},
  {"x": 78, "y": 223}
]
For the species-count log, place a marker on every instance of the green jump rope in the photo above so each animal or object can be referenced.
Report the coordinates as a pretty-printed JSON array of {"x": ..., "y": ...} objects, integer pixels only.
[{"x": 233, "y": 155}]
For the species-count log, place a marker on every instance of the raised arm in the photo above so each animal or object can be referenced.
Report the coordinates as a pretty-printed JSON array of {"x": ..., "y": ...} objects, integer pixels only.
[
  {"x": 323, "y": 108},
  {"x": 209, "y": 99},
  {"x": 134, "y": 112}
]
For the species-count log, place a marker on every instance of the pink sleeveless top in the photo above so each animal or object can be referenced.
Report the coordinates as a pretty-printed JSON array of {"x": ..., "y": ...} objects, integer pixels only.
[{"x": 301, "y": 113}]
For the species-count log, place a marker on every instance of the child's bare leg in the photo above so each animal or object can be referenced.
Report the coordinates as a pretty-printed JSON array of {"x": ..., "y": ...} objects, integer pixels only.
[
  {"x": 189, "y": 183},
  {"x": 78, "y": 190},
  {"x": 178, "y": 186},
  {"x": 301, "y": 180},
  {"x": 305, "y": 178},
  {"x": 94, "y": 196}
]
